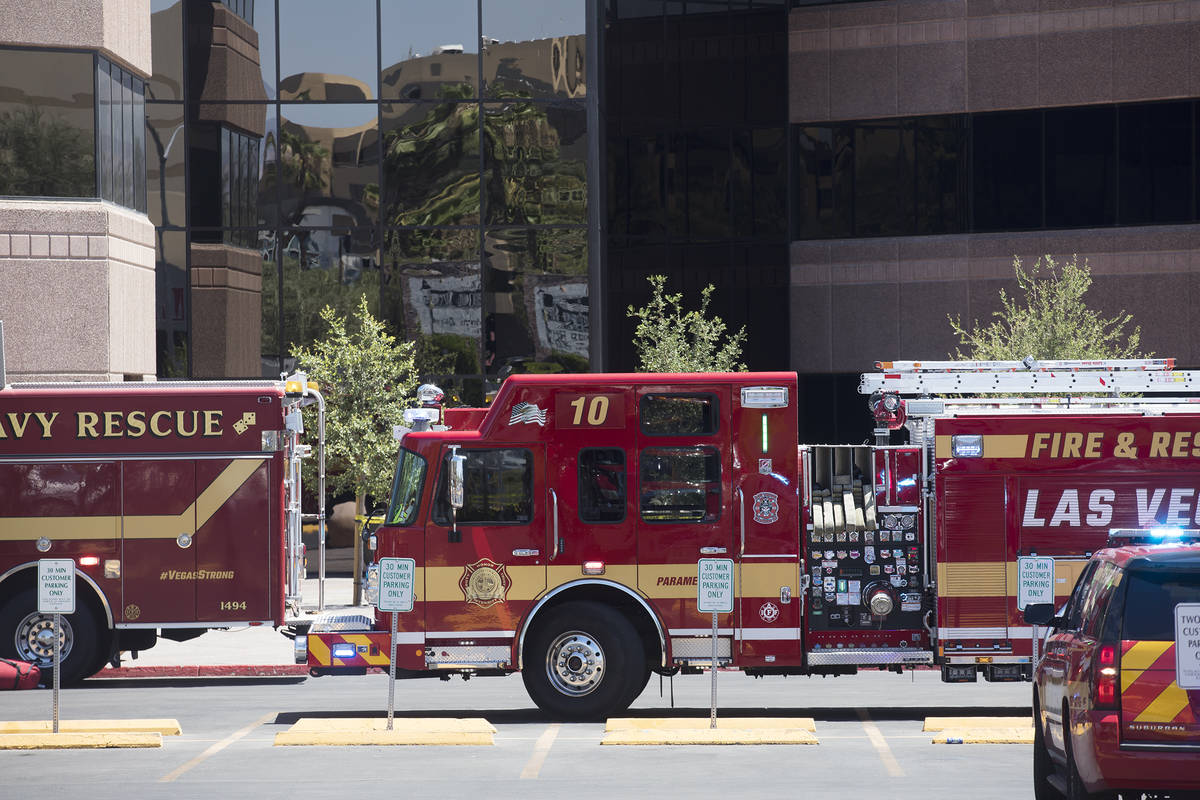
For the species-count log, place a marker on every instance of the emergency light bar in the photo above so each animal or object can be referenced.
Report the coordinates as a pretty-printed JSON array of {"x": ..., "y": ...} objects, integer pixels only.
[{"x": 1119, "y": 537}]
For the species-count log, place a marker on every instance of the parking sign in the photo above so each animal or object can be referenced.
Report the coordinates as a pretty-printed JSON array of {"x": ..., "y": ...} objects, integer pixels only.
[
  {"x": 56, "y": 586},
  {"x": 1035, "y": 580},
  {"x": 396, "y": 576},
  {"x": 714, "y": 585}
]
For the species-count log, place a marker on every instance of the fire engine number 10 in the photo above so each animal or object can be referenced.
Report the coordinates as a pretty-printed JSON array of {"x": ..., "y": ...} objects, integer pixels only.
[{"x": 590, "y": 410}]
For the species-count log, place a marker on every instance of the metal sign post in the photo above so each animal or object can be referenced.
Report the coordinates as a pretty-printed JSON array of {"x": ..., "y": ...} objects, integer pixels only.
[
  {"x": 56, "y": 595},
  {"x": 714, "y": 594},
  {"x": 1035, "y": 584},
  {"x": 396, "y": 578}
]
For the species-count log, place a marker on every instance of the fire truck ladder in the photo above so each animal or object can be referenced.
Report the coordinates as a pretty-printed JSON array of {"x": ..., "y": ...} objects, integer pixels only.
[{"x": 1113, "y": 376}]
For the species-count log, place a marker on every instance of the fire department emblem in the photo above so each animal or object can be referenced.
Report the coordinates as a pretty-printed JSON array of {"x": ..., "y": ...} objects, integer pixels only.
[
  {"x": 765, "y": 467},
  {"x": 766, "y": 508},
  {"x": 132, "y": 612},
  {"x": 769, "y": 612},
  {"x": 485, "y": 583}
]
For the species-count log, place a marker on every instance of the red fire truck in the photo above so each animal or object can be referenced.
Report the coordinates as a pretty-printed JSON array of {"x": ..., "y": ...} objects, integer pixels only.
[
  {"x": 178, "y": 502},
  {"x": 557, "y": 532}
]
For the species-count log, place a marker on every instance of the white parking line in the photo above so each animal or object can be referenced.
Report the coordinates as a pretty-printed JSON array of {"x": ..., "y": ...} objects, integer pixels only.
[
  {"x": 218, "y": 747},
  {"x": 881, "y": 745},
  {"x": 540, "y": 750}
]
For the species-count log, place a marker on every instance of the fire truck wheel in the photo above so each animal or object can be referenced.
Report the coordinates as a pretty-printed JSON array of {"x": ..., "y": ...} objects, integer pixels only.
[
  {"x": 583, "y": 662},
  {"x": 28, "y": 636}
]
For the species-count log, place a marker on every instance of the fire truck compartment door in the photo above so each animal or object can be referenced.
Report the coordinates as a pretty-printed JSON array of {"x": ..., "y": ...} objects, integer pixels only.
[
  {"x": 158, "y": 552},
  {"x": 481, "y": 580},
  {"x": 767, "y": 518},
  {"x": 235, "y": 540}
]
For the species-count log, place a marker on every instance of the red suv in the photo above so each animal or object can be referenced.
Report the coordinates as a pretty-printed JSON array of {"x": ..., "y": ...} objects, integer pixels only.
[{"x": 1109, "y": 714}]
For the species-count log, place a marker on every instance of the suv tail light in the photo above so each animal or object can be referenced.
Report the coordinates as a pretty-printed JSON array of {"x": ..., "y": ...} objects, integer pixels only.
[{"x": 1106, "y": 683}]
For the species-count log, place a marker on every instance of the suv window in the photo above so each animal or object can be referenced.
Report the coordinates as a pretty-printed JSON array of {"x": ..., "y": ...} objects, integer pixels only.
[
  {"x": 1106, "y": 578},
  {"x": 1074, "y": 610},
  {"x": 1150, "y": 603}
]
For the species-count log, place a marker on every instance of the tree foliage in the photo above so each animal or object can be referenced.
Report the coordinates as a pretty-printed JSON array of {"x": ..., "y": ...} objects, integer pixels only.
[
  {"x": 1048, "y": 318},
  {"x": 671, "y": 339},
  {"x": 366, "y": 378}
]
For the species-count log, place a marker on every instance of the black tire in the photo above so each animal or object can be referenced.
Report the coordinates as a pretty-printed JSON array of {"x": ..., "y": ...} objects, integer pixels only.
[
  {"x": 26, "y": 635},
  {"x": 1043, "y": 767},
  {"x": 583, "y": 662}
]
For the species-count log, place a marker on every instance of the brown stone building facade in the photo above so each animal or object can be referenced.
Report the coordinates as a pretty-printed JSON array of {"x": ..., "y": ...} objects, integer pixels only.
[
  {"x": 1057, "y": 127},
  {"x": 76, "y": 247}
]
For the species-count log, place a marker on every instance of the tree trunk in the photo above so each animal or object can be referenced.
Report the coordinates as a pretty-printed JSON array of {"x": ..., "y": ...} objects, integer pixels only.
[{"x": 360, "y": 521}]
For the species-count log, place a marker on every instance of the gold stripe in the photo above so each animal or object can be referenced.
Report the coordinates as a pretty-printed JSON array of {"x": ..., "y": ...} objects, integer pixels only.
[
  {"x": 359, "y": 639},
  {"x": 156, "y": 526},
  {"x": 1128, "y": 676},
  {"x": 995, "y": 445},
  {"x": 316, "y": 646},
  {"x": 625, "y": 574},
  {"x": 1143, "y": 654},
  {"x": 1166, "y": 706},
  {"x": 441, "y": 583},
  {"x": 649, "y": 575}
]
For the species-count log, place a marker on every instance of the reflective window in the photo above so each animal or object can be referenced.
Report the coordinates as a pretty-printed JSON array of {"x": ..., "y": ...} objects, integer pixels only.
[
  {"x": 680, "y": 484},
  {"x": 1155, "y": 163},
  {"x": 327, "y": 51},
  {"x": 602, "y": 484},
  {"x": 166, "y": 43},
  {"x": 430, "y": 50},
  {"x": 47, "y": 123},
  {"x": 1080, "y": 164},
  {"x": 329, "y": 156},
  {"x": 497, "y": 488},
  {"x": 1150, "y": 602},
  {"x": 171, "y": 311},
  {"x": 431, "y": 164},
  {"x": 759, "y": 182},
  {"x": 534, "y": 48},
  {"x": 679, "y": 414},
  {"x": 1006, "y": 166},
  {"x": 536, "y": 300},
  {"x": 122, "y": 141},
  {"x": 535, "y": 162}
]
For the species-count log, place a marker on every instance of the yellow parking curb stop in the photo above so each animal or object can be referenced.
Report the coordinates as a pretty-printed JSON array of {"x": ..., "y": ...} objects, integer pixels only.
[
  {"x": 77, "y": 741},
  {"x": 1021, "y": 735},
  {"x": 165, "y": 727},
  {"x": 974, "y": 723},
  {"x": 356, "y": 731}
]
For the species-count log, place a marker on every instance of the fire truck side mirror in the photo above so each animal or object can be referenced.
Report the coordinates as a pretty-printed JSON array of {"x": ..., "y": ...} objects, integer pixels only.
[{"x": 1039, "y": 614}]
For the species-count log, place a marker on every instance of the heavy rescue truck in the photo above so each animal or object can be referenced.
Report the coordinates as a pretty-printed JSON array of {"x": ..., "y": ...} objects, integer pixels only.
[
  {"x": 557, "y": 532},
  {"x": 178, "y": 502}
]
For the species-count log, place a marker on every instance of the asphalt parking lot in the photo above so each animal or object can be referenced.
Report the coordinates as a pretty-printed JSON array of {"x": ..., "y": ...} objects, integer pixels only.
[{"x": 868, "y": 732}]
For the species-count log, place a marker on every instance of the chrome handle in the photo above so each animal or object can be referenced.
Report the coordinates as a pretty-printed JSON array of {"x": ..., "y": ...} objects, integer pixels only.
[
  {"x": 712, "y": 551},
  {"x": 526, "y": 551},
  {"x": 742, "y": 517},
  {"x": 554, "y": 514}
]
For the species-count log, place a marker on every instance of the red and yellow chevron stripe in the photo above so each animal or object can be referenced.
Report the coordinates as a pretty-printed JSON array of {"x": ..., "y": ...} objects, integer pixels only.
[
  {"x": 370, "y": 649},
  {"x": 1149, "y": 694}
]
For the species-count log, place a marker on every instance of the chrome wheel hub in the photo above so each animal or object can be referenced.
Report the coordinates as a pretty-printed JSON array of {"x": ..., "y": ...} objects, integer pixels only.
[
  {"x": 35, "y": 639},
  {"x": 575, "y": 663}
]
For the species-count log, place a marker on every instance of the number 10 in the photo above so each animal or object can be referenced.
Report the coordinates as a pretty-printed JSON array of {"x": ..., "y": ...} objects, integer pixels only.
[{"x": 597, "y": 410}]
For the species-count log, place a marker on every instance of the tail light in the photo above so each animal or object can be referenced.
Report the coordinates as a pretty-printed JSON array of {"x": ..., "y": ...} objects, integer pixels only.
[{"x": 1106, "y": 686}]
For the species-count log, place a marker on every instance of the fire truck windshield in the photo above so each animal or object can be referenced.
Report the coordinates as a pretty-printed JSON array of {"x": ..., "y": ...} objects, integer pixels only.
[{"x": 406, "y": 491}]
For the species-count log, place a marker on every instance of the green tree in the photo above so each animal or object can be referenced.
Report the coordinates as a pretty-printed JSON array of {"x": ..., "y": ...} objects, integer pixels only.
[
  {"x": 43, "y": 155},
  {"x": 670, "y": 339},
  {"x": 1048, "y": 318},
  {"x": 365, "y": 376}
]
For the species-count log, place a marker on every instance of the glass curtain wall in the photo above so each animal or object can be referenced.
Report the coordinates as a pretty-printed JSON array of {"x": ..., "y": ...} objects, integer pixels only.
[{"x": 428, "y": 157}]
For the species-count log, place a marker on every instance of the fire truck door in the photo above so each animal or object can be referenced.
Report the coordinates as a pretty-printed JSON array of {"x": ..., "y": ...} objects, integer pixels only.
[
  {"x": 486, "y": 562},
  {"x": 766, "y": 520},
  {"x": 158, "y": 528},
  {"x": 684, "y": 470},
  {"x": 234, "y": 568}
]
